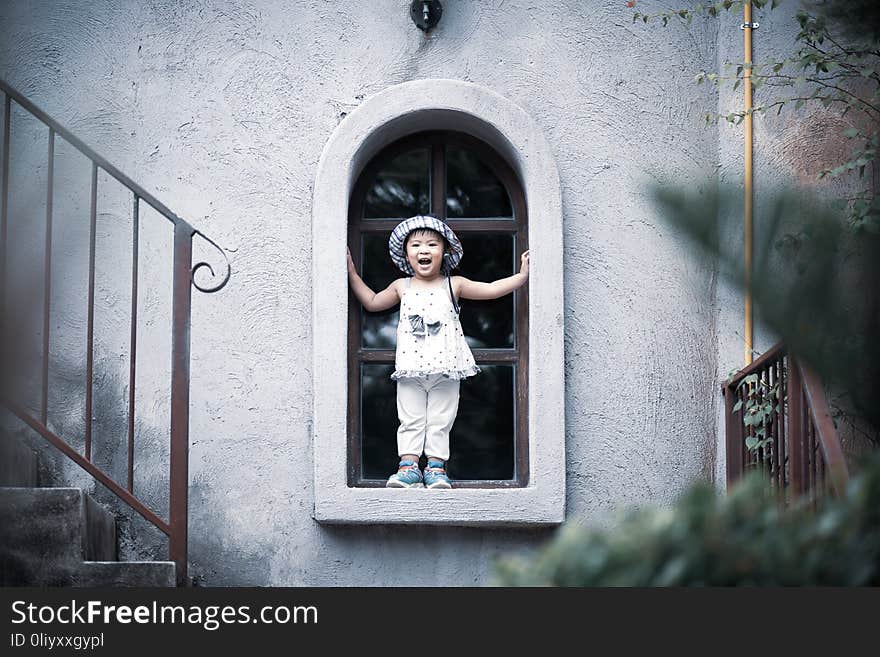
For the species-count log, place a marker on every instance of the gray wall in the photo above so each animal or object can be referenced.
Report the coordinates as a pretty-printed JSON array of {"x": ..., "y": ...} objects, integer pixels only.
[{"x": 222, "y": 110}]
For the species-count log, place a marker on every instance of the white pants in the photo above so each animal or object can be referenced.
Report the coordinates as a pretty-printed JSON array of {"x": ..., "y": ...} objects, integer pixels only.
[{"x": 426, "y": 408}]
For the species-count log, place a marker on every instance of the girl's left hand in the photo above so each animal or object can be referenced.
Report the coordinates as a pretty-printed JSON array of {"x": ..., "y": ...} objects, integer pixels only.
[{"x": 524, "y": 263}]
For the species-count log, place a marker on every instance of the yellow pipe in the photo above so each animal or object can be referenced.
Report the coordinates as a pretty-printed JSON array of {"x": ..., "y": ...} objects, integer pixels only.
[{"x": 747, "y": 86}]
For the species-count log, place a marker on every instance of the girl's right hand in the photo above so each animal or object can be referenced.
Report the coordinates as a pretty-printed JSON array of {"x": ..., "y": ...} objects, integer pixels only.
[{"x": 351, "y": 267}]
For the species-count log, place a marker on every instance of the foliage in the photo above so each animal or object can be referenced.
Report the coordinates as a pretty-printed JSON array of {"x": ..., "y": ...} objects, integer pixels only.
[
  {"x": 818, "y": 292},
  {"x": 815, "y": 278},
  {"x": 836, "y": 65},
  {"x": 763, "y": 401},
  {"x": 700, "y": 9},
  {"x": 705, "y": 539}
]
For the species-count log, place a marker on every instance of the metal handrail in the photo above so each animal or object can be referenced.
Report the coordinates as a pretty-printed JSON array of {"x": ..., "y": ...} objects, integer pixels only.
[
  {"x": 803, "y": 452},
  {"x": 756, "y": 365},
  {"x": 183, "y": 277},
  {"x": 820, "y": 415}
]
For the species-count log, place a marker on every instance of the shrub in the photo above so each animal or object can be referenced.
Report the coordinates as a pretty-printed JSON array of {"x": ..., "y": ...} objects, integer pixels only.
[{"x": 741, "y": 539}]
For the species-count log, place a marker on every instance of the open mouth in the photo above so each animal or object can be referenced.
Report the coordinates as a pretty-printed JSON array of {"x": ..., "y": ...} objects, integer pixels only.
[{"x": 424, "y": 261}]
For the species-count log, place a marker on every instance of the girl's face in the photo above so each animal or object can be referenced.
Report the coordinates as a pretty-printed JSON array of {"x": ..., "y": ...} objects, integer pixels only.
[{"x": 424, "y": 251}]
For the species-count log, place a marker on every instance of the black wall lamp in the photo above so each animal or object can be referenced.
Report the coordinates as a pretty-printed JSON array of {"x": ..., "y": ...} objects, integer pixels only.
[{"x": 425, "y": 13}]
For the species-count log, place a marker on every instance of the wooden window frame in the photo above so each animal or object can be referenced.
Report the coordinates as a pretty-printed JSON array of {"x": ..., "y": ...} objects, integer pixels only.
[{"x": 518, "y": 355}]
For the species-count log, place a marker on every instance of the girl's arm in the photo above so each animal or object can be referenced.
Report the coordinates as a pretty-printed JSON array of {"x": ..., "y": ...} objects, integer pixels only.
[
  {"x": 469, "y": 289},
  {"x": 370, "y": 300}
]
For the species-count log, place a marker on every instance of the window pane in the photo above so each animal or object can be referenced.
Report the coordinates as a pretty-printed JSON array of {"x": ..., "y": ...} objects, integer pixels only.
[
  {"x": 379, "y": 329},
  {"x": 487, "y": 324},
  {"x": 472, "y": 189},
  {"x": 482, "y": 439},
  {"x": 378, "y": 421},
  {"x": 402, "y": 188}
]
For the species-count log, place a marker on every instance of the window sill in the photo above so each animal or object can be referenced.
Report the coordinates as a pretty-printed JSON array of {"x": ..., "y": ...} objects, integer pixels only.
[{"x": 525, "y": 507}]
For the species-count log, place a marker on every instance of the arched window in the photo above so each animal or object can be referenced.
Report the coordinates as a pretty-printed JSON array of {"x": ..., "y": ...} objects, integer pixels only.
[
  {"x": 460, "y": 179},
  {"x": 535, "y": 495}
]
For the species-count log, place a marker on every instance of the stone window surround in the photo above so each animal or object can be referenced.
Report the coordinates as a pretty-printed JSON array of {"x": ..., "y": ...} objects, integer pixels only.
[{"x": 393, "y": 113}]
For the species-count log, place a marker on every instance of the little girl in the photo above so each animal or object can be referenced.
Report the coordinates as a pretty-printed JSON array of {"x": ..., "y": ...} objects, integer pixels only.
[{"x": 432, "y": 355}]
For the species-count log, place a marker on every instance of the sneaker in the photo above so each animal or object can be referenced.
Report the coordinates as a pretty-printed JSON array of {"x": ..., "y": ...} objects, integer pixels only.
[
  {"x": 435, "y": 475},
  {"x": 407, "y": 476}
]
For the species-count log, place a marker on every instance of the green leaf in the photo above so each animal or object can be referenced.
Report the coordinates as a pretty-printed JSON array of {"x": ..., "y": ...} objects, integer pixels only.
[
  {"x": 751, "y": 442},
  {"x": 737, "y": 405},
  {"x": 851, "y": 132}
]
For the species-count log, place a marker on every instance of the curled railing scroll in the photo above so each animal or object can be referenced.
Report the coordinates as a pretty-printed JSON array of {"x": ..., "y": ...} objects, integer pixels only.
[{"x": 219, "y": 286}]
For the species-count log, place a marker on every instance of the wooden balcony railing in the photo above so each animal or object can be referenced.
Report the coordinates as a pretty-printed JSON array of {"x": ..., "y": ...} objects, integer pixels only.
[{"x": 777, "y": 421}]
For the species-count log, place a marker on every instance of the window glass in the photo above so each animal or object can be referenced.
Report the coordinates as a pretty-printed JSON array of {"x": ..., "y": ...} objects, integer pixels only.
[
  {"x": 487, "y": 324},
  {"x": 379, "y": 329},
  {"x": 472, "y": 190},
  {"x": 401, "y": 188},
  {"x": 482, "y": 439},
  {"x": 378, "y": 421}
]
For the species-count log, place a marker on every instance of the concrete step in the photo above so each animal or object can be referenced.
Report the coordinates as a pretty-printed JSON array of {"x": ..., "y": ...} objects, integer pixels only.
[
  {"x": 18, "y": 463},
  {"x": 60, "y": 536},
  {"x": 126, "y": 574},
  {"x": 46, "y": 532}
]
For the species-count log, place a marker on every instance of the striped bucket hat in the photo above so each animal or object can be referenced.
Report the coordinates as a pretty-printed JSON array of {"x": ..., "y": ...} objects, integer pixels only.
[{"x": 397, "y": 241}]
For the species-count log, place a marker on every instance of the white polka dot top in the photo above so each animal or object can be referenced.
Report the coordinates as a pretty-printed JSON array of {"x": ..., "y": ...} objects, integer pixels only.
[{"x": 429, "y": 336}]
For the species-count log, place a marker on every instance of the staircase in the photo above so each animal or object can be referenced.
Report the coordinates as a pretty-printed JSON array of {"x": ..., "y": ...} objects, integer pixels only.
[{"x": 60, "y": 536}]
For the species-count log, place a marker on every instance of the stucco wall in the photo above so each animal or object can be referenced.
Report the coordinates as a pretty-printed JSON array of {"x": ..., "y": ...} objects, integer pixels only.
[{"x": 222, "y": 109}]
